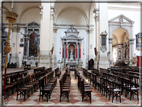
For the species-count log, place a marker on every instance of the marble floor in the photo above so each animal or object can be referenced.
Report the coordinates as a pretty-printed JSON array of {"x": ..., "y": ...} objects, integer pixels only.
[{"x": 75, "y": 98}]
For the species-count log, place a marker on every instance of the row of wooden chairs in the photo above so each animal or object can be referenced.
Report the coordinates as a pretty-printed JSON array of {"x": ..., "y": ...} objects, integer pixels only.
[
  {"x": 65, "y": 82},
  {"x": 46, "y": 84},
  {"x": 25, "y": 85},
  {"x": 57, "y": 72},
  {"x": 11, "y": 81},
  {"x": 83, "y": 86},
  {"x": 114, "y": 82}
]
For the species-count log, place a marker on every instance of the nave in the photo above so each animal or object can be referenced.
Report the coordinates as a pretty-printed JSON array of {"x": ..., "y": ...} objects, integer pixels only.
[{"x": 75, "y": 97}]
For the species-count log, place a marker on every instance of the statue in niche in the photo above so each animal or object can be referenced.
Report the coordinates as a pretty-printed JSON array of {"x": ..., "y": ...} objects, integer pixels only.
[{"x": 71, "y": 55}]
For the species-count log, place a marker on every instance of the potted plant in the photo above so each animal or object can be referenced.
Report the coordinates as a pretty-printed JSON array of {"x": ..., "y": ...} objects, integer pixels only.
[
  {"x": 23, "y": 63},
  {"x": 36, "y": 64},
  {"x": 77, "y": 65},
  {"x": 67, "y": 65}
]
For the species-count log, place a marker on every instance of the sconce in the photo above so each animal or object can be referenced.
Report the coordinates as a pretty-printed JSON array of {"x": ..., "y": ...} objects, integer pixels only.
[{"x": 139, "y": 41}]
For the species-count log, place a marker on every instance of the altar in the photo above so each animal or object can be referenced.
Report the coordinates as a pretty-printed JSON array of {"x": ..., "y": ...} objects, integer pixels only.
[{"x": 71, "y": 48}]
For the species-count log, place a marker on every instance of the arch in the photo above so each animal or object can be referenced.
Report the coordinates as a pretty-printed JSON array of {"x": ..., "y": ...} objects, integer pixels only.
[
  {"x": 91, "y": 17},
  {"x": 120, "y": 33},
  {"x": 80, "y": 11},
  {"x": 22, "y": 13}
]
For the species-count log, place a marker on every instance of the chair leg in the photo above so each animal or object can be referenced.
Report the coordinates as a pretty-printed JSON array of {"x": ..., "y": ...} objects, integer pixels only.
[
  {"x": 130, "y": 95},
  {"x": 90, "y": 97},
  {"x": 137, "y": 95},
  {"x": 120, "y": 97},
  {"x": 112, "y": 97},
  {"x": 47, "y": 97},
  {"x": 17, "y": 96}
]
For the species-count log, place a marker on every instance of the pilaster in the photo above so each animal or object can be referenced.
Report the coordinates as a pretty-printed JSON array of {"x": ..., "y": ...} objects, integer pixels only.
[
  {"x": 45, "y": 36},
  {"x": 15, "y": 45}
]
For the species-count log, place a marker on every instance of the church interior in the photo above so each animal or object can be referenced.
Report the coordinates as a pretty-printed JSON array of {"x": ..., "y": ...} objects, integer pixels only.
[{"x": 70, "y": 53}]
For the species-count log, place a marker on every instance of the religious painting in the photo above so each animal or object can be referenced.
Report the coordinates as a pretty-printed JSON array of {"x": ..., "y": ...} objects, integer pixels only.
[{"x": 33, "y": 44}]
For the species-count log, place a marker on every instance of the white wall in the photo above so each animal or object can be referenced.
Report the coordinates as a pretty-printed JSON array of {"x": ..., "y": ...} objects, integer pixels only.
[
  {"x": 133, "y": 15},
  {"x": 30, "y": 15}
]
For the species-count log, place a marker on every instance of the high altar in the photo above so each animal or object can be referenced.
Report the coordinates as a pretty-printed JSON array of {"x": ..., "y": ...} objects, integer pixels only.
[{"x": 71, "y": 51}]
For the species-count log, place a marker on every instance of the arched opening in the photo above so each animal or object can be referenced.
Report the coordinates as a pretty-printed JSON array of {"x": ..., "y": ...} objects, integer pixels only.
[
  {"x": 120, "y": 46},
  {"x": 71, "y": 52}
]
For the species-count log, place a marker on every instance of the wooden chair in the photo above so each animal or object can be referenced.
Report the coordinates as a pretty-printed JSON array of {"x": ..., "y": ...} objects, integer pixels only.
[
  {"x": 42, "y": 89},
  {"x": 130, "y": 88},
  {"x": 24, "y": 90},
  {"x": 85, "y": 90},
  {"x": 64, "y": 86}
]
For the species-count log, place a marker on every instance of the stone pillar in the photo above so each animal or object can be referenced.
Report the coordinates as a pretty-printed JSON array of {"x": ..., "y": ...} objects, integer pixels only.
[
  {"x": 110, "y": 50},
  {"x": 51, "y": 26},
  {"x": 76, "y": 52},
  {"x": 131, "y": 45},
  {"x": 120, "y": 53},
  {"x": 26, "y": 45},
  {"x": 96, "y": 17},
  {"x": 80, "y": 51},
  {"x": 45, "y": 36},
  {"x": 103, "y": 28},
  {"x": 15, "y": 45},
  {"x": 55, "y": 53},
  {"x": 66, "y": 52},
  {"x": 63, "y": 51}
]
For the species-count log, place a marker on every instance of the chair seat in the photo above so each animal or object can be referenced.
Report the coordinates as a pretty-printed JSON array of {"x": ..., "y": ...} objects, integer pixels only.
[
  {"x": 134, "y": 89},
  {"x": 8, "y": 86},
  {"x": 65, "y": 89},
  {"x": 117, "y": 90},
  {"x": 46, "y": 89},
  {"x": 87, "y": 90},
  {"x": 87, "y": 87},
  {"x": 28, "y": 86},
  {"x": 14, "y": 83},
  {"x": 24, "y": 88}
]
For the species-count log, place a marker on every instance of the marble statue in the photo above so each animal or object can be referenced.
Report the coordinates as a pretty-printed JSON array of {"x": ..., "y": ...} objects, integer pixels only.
[{"x": 71, "y": 55}]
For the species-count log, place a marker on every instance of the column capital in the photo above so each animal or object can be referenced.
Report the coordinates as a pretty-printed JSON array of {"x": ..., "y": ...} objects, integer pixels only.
[
  {"x": 110, "y": 40},
  {"x": 131, "y": 41},
  {"x": 88, "y": 31},
  {"x": 96, "y": 17},
  {"x": 96, "y": 10},
  {"x": 41, "y": 12},
  {"x": 15, "y": 28}
]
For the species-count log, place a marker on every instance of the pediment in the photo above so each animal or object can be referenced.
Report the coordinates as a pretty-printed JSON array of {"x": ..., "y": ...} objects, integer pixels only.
[
  {"x": 121, "y": 19},
  {"x": 72, "y": 37}
]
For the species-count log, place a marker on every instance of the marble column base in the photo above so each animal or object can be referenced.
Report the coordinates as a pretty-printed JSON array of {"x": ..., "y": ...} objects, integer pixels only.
[
  {"x": 45, "y": 59},
  {"x": 104, "y": 60},
  {"x": 15, "y": 59}
]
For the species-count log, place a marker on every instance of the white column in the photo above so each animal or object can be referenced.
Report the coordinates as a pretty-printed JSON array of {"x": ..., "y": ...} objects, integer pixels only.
[
  {"x": 55, "y": 53},
  {"x": 131, "y": 43},
  {"x": 15, "y": 45},
  {"x": 96, "y": 17},
  {"x": 110, "y": 50},
  {"x": 102, "y": 27},
  {"x": 45, "y": 36}
]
